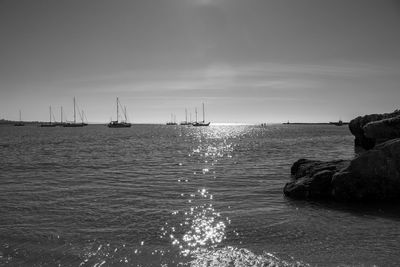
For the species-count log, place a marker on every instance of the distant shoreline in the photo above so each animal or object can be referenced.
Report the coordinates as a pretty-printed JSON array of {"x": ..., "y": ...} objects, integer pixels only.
[
  {"x": 314, "y": 123},
  {"x": 11, "y": 122}
]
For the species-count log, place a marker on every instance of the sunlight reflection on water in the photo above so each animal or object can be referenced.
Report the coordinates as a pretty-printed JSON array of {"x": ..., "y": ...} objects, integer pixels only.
[
  {"x": 230, "y": 256},
  {"x": 201, "y": 225},
  {"x": 199, "y": 230}
]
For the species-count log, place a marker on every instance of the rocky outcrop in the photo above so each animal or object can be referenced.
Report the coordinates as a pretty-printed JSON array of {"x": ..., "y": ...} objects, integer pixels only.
[
  {"x": 312, "y": 179},
  {"x": 360, "y": 125},
  {"x": 383, "y": 130},
  {"x": 374, "y": 175}
]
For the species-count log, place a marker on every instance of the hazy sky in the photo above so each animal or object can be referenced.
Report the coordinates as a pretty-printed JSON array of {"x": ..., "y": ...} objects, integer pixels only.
[{"x": 247, "y": 60}]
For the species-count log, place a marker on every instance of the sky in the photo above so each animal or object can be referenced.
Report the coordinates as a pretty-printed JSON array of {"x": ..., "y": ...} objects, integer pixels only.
[{"x": 248, "y": 61}]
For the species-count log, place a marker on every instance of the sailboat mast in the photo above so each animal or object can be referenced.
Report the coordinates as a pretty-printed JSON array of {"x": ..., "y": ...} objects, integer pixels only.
[
  {"x": 195, "y": 110},
  {"x": 203, "y": 114},
  {"x": 20, "y": 116},
  {"x": 117, "y": 110},
  {"x": 50, "y": 114},
  {"x": 186, "y": 115},
  {"x": 61, "y": 115},
  {"x": 74, "y": 112}
]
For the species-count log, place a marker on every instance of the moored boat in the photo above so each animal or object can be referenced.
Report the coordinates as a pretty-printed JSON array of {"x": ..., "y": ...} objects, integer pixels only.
[
  {"x": 117, "y": 123},
  {"x": 20, "y": 123},
  {"x": 74, "y": 123},
  {"x": 50, "y": 123},
  {"x": 203, "y": 122}
]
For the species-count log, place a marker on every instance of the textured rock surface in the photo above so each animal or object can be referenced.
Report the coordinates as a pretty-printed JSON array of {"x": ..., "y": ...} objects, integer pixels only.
[
  {"x": 374, "y": 175},
  {"x": 312, "y": 178},
  {"x": 356, "y": 127},
  {"x": 383, "y": 130}
]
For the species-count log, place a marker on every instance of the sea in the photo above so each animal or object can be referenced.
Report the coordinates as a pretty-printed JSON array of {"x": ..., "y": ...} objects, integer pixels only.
[{"x": 158, "y": 195}]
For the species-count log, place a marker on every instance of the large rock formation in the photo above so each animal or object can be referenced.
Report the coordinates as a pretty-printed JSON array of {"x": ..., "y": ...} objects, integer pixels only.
[
  {"x": 367, "y": 129},
  {"x": 383, "y": 130},
  {"x": 374, "y": 175}
]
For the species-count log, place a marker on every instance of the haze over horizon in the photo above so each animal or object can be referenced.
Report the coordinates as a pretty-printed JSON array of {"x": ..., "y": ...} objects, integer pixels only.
[{"x": 248, "y": 61}]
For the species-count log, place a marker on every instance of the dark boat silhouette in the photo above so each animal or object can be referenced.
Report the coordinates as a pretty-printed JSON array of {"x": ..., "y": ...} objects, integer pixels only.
[
  {"x": 119, "y": 124},
  {"x": 20, "y": 123},
  {"x": 173, "y": 120},
  {"x": 74, "y": 123},
  {"x": 201, "y": 123},
  {"x": 186, "y": 122},
  {"x": 50, "y": 123},
  {"x": 338, "y": 123}
]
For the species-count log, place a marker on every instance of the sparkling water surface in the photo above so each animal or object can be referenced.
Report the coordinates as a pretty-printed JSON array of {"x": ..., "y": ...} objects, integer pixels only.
[{"x": 155, "y": 195}]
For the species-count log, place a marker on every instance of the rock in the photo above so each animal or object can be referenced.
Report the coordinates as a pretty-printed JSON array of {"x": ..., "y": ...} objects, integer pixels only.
[
  {"x": 356, "y": 127},
  {"x": 383, "y": 130},
  {"x": 312, "y": 178},
  {"x": 374, "y": 175}
]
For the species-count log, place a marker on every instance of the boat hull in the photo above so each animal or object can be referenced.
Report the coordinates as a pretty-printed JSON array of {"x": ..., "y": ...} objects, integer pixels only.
[
  {"x": 119, "y": 125},
  {"x": 199, "y": 124},
  {"x": 74, "y": 124}
]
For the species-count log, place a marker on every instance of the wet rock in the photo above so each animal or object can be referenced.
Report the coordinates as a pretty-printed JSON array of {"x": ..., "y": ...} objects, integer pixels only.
[
  {"x": 312, "y": 178},
  {"x": 356, "y": 127},
  {"x": 374, "y": 175}
]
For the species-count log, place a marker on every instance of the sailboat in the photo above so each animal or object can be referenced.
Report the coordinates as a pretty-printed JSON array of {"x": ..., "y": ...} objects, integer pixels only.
[
  {"x": 186, "y": 122},
  {"x": 338, "y": 123},
  {"x": 119, "y": 124},
  {"x": 20, "y": 123},
  {"x": 50, "y": 124},
  {"x": 201, "y": 123},
  {"x": 61, "y": 123},
  {"x": 173, "y": 120},
  {"x": 75, "y": 124}
]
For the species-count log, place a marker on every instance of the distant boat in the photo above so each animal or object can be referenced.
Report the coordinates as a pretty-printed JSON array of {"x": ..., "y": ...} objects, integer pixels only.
[
  {"x": 20, "y": 123},
  {"x": 74, "y": 123},
  {"x": 119, "y": 124},
  {"x": 186, "y": 122},
  {"x": 173, "y": 120},
  {"x": 339, "y": 123},
  {"x": 61, "y": 123},
  {"x": 50, "y": 124},
  {"x": 203, "y": 122}
]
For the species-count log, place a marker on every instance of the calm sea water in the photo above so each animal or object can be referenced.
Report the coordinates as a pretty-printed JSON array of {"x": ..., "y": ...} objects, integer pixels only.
[{"x": 179, "y": 196}]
